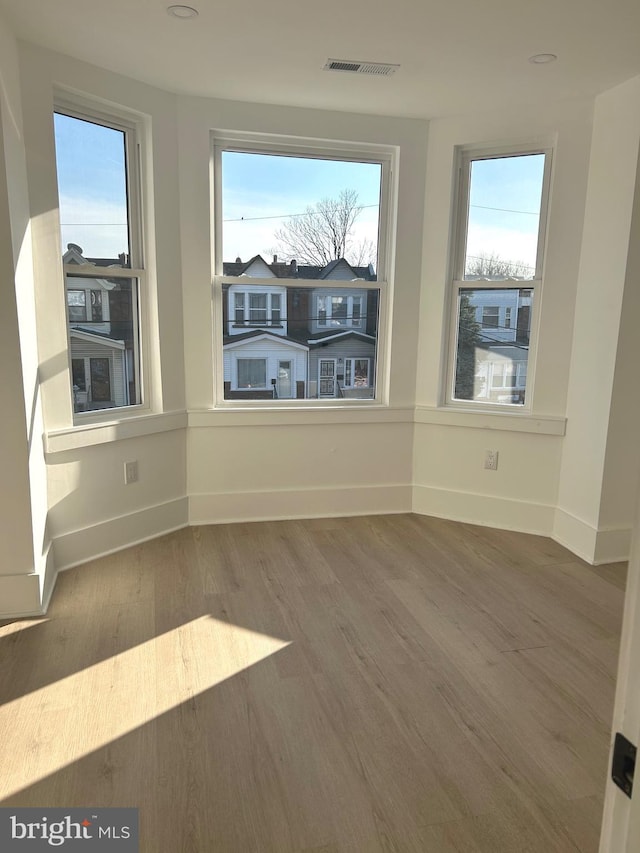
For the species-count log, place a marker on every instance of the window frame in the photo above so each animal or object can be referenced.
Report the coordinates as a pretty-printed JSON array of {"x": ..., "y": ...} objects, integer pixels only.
[
  {"x": 256, "y": 143},
  {"x": 242, "y": 358},
  {"x": 465, "y": 156},
  {"x": 133, "y": 128},
  {"x": 348, "y": 322},
  {"x": 246, "y": 309}
]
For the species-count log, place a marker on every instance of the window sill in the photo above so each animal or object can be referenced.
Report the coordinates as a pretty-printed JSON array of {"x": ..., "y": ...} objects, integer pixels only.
[
  {"x": 299, "y": 415},
  {"x": 105, "y": 432},
  {"x": 507, "y": 421}
]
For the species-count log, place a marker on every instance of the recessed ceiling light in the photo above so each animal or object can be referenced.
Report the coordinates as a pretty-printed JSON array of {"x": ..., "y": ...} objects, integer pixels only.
[
  {"x": 183, "y": 12},
  {"x": 543, "y": 58}
]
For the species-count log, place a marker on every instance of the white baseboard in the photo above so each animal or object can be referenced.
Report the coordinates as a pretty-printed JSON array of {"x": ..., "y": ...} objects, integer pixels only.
[
  {"x": 486, "y": 510},
  {"x": 226, "y": 507},
  {"x": 596, "y": 546},
  {"x": 89, "y": 543},
  {"x": 613, "y": 545},
  {"x": 20, "y": 596},
  {"x": 28, "y": 595}
]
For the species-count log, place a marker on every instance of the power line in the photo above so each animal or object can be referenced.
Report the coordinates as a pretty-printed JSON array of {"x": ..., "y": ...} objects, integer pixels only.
[
  {"x": 292, "y": 215},
  {"x": 517, "y": 264},
  {"x": 506, "y": 209}
]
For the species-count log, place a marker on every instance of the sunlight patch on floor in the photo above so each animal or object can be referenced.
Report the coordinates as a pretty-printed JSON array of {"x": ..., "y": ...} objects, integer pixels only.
[{"x": 62, "y": 722}]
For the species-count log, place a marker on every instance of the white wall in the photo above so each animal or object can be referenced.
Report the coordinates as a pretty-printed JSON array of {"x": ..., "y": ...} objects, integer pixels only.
[
  {"x": 23, "y": 533},
  {"x": 595, "y": 529},
  {"x": 90, "y": 510}
]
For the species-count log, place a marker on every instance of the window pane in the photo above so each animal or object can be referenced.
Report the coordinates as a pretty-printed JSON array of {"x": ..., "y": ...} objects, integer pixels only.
[
  {"x": 339, "y": 311},
  {"x": 490, "y": 316},
  {"x": 361, "y": 372},
  {"x": 110, "y": 342},
  {"x": 252, "y": 372},
  {"x": 257, "y": 307},
  {"x": 505, "y": 196},
  {"x": 92, "y": 187},
  {"x": 299, "y": 217},
  {"x": 328, "y": 361},
  {"x": 239, "y": 308},
  {"x": 78, "y": 374},
  {"x": 76, "y": 302},
  {"x": 491, "y": 363}
]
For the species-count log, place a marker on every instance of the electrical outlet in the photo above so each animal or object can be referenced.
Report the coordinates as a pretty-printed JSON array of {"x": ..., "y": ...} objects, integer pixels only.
[
  {"x": 130, "y": 472},
  {"x": 491, "y": 460}
]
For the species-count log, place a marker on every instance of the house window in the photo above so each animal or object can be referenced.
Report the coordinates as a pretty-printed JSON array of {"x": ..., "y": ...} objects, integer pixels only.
[
  {"x": 77, "y": 305},
  {"x": 339, "y": 310},
  {"x": 96, "y": 306},
  {"x": 256, "y": 308},
  {"x": 322, "y": 209},
  {"x": 252, "y": 372},
  {"x": 498, "y": 261},
  {"x": 490, "y": 317},
  {"x": 97, "y": 159},
  {"x": 78, "y": 374},
  {"x": 239, "y": 304}
]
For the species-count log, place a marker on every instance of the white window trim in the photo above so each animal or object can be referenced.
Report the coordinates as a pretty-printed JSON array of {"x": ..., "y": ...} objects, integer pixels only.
[
  {"x": 133, "y": 126},
  {"x": 465, "y": 155},
  {"x": 252, "y": 143}
]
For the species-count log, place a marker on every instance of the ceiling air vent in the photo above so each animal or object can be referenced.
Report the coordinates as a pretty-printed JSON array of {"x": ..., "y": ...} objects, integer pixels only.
[{"x": 380, "y": 69}]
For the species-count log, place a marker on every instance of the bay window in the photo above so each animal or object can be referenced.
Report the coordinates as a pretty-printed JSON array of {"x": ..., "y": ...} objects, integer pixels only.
[
  {"x": 502, "y": 199},
  {"x": 97, "y": 160},
  {"x": 300, "y": 268}
]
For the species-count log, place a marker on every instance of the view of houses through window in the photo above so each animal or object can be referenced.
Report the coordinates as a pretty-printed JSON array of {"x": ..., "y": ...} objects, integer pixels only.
[
  {"x": 102, "y": 288},
  {"x": 499, "y": 250},
  {"x": 307, "y": 229}
]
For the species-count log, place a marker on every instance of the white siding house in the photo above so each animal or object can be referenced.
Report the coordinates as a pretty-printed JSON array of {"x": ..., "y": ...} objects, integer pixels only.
[{"x": 265, "y": 366}]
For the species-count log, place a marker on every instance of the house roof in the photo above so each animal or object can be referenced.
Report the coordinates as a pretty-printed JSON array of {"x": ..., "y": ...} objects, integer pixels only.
[
  {"x": 256, "y": 334},
  {"x": 324, "y": 338},
  {"x": 97, "y": 337},
  {"x": 292, "y": 269}
]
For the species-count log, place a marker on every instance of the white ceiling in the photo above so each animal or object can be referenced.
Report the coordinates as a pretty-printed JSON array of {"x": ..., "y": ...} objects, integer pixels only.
[{"x": 457, "y": 56}]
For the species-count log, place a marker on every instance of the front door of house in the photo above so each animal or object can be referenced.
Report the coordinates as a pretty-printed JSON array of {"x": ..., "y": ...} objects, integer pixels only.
[
  {"x": 100, "y": 380},
  {"x": 285, "y": 379},
  {"x": 327, "y": 377}
]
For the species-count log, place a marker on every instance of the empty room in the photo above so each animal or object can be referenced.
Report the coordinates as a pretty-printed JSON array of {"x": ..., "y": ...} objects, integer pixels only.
[{"x": 318, "y": 350}]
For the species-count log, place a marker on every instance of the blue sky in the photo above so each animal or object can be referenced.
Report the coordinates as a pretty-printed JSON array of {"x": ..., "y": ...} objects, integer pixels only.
[
  {"x": 260, "y": 191},
  {"x": 504, "y": 207},
  {"x": 92, "y": 187},
  {"x": 261, "y": 185}
]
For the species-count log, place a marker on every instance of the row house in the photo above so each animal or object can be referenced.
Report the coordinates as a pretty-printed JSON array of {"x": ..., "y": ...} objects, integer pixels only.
[
  {"x": 101, "y": 326},
  {"x": 503, "y": 317},
  {"x": 288, "y": 342}
]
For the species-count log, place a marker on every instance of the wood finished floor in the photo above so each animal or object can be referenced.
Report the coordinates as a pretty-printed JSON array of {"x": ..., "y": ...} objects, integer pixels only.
[{"x": 390, "y": 683}]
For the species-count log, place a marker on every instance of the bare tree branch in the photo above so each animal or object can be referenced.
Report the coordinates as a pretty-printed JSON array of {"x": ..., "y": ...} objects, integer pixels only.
[
  {"x": 324, "y": 232},
  {"x": 493, "y": 266}
]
